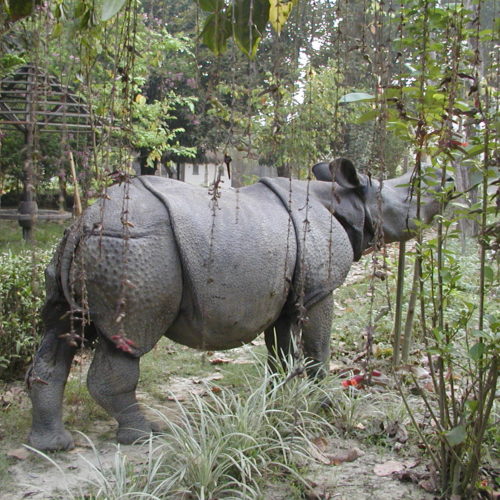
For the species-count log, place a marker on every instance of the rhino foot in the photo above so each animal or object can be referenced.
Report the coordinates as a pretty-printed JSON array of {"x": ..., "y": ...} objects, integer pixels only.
[
  {"x": 130, "y": 434},
  {"x": 51, "y": 441}
]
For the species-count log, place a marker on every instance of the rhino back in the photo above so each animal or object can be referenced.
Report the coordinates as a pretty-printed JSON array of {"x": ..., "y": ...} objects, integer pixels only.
[{"x": 130, "y": 202}]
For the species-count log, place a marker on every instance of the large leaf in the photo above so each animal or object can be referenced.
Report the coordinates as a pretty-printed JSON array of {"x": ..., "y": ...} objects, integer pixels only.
[
  {"x": 250, "y": 19},
  {"x": 279, "y": 10},
  {"x": 370, "y": 115},
  {"x": 110, "y": 8},
  {"x": 476, "y": 352},
  {"x": 356, "y": 97},
  {"x": 216, "y": 31},
  {"x": 456, "y": 436}
]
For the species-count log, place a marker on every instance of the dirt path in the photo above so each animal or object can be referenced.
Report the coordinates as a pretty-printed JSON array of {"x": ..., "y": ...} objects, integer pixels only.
[
  {"x": 37, "y": 478},
  {"x": 355, "y": 480}
]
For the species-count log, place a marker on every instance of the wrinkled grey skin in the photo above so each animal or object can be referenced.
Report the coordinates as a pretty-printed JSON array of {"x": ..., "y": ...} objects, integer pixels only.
[{"x": 207, "y": 274}]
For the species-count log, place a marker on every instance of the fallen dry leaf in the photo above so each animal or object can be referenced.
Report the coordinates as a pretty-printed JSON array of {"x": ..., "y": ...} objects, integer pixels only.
[
  {"x": 345, "y": 456},
  {"x": 216, "y": 376},
  {"x": 14, "y": 394},
  {"x": 219, "y": 361},
  {"x": 176, "y": 398},
  {"x": 337, "y": 367},
  {"x": 420, "y": 372},
  {"x": 19, "y": 453}
]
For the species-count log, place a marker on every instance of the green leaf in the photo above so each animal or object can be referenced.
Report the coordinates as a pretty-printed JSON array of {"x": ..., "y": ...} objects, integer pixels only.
[
  {"x": 279, "y": 11},
  {"x": 475, "y": 150},
  {"x": 9, "y": 61},
  {"x": 216, "y": 31},
  {"x": 356, "y": 97},
  {"x": 57, "y": 30},
  {"x": 80, "y": 9},
  {"x": 211, "y": 5},
  {"x": 110, "y": 8},
  {"x": 250, "y": 19},
  {"x": 472, "y": 405},
  {"x": 456, "y": 436},
  {"x": 368, "y": 116},
  {"x": 489, "y": 274},
  {"x": 477, "y": 351},
  {"x": 475, "y": 177}
]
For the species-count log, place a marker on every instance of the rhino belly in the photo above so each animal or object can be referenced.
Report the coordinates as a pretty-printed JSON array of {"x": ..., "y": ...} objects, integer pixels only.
[
  {"x": 237, "y": 294},
  {"x": 228, "y": 320}
]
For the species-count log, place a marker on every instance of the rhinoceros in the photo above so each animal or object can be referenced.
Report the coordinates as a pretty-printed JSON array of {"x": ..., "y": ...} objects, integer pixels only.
[{"x": 208, "y": 269}]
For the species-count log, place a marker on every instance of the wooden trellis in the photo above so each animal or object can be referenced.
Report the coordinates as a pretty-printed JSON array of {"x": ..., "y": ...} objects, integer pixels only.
[
  {"x": 33, "y": 98},
  {"x": 32, "y": 101}
]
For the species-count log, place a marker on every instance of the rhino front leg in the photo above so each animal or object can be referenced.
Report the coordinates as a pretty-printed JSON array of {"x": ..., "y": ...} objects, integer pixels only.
[
  {"x": 316, "y": 337},
  {"x": 112, "y": 380},
  {"x": 46, "y": 381},
  {"x": 278, "y": 339}
]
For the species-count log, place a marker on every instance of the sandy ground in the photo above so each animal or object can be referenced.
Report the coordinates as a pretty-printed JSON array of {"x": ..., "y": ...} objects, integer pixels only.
[{"x": 73, "y": 471}]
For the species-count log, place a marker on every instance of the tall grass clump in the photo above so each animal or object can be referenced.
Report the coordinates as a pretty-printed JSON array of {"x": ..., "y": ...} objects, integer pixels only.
[
  {"x": 224, "y": 445},
  {"x": 21, "y": 296}
]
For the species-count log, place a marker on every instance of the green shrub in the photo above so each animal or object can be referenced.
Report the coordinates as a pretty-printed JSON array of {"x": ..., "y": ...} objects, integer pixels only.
[{"x": 21, "y": 296}]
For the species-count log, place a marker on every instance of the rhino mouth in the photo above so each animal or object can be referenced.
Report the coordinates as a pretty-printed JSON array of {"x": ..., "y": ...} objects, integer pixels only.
[{"x": 369, "y": 230}]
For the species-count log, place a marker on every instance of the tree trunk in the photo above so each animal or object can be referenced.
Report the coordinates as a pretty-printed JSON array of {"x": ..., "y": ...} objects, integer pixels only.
[{"x": 28, "y": 208}]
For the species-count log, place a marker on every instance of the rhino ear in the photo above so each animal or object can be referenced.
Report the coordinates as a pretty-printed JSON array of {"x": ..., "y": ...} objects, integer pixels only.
[
  {"x": 322, "y": 171},
  {"x": 344, "y": 173}
]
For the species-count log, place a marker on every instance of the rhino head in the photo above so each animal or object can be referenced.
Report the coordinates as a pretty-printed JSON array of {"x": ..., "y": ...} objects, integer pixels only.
[{"x": 393, "y": 202}]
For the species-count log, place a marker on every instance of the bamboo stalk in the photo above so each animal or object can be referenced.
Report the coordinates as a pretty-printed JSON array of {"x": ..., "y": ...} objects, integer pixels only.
[{"x": 78, "y": 203}]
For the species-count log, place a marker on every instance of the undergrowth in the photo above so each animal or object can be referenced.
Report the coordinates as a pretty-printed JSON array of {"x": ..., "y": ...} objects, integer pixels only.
[
  {"x": 223, "y": 445},
  {"x": 21, "y": 295}
]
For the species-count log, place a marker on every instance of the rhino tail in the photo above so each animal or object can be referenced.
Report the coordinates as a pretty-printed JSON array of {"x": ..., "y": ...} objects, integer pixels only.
[{"x": 66, "y": 254}]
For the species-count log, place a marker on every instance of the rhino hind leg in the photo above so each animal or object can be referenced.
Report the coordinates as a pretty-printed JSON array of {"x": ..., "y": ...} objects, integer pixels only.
[
  {"x": 112, "y": 380},
  {"x": 47, "y": 378}
]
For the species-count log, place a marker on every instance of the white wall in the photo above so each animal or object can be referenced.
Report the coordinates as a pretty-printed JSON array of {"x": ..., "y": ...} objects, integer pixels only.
[{"x": 204, "y": 174}]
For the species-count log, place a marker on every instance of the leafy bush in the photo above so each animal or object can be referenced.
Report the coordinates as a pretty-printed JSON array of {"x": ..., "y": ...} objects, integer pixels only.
[{"x": 21, "y": 296}]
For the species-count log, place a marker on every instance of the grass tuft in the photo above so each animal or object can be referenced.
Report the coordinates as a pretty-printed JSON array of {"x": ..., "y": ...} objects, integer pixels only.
[{"x": 223, "y": 444}]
